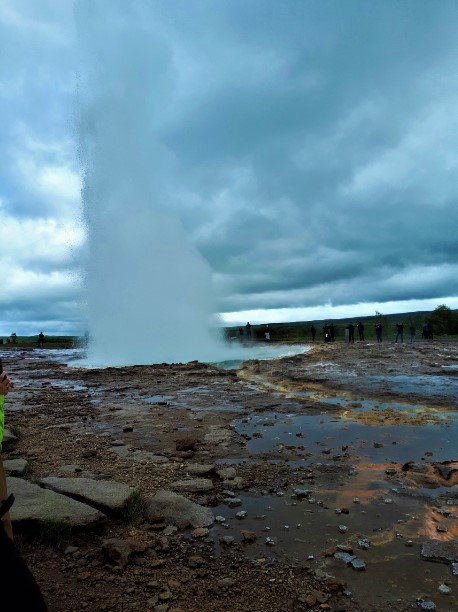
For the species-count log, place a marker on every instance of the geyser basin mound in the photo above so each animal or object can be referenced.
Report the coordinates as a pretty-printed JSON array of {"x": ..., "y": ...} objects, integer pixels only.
[{"x": 225, "y": 356}]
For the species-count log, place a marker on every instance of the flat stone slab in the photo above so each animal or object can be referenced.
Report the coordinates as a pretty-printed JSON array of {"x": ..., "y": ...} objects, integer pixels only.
[
  {"x": 15, "y": 467},
  {"x": 441, "y": 552},
  {"x": 193, "y": 485},
  {"x": 178, "y": 510},
  {"x": 36, "y": 505},
  {"x": 106, "y": 495}
]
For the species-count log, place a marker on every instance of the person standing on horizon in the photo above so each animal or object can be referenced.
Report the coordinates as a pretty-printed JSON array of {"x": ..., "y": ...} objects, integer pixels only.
[
  {"x": 267, "y": 334},
  {"x": 399, "y": 332},
  {"x": 378, "y": 331},
  {"x": 41, "y": 340},
  {"x": 332, "y": 332},
  {"x": 248, "y": 330},
  {"x": 360, "y": 327},
  {"x": 351, "y": 333},
  {"x": 313, "y": 332}
]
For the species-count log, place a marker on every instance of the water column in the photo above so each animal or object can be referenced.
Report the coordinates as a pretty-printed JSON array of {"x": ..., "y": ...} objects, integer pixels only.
[{"x": 149, "y": 293}]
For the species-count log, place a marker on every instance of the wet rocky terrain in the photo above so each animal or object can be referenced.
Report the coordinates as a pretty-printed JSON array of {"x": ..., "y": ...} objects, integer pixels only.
[{"x": 322, "y": 481}]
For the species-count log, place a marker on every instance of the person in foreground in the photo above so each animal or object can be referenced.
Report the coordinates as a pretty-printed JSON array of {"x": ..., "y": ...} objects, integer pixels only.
[{"x": 19, "y": 588}]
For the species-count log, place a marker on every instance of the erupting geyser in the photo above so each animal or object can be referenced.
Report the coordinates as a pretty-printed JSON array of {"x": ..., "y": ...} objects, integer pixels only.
[{"x": 148, "y": 289}]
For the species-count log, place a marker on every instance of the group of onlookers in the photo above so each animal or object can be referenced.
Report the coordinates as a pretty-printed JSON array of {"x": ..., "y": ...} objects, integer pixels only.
[{"x": 329, "y": 332}]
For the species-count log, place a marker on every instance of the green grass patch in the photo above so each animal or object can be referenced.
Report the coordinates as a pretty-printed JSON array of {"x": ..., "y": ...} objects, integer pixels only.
[
  {"x": 55, "y": 533},
  {"x": 135, "y": 508}
]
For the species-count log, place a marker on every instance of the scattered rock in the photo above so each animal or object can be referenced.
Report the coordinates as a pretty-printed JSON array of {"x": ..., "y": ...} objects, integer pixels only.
[
  {"x": 227, "y": 473},
  {"x": 196, "y": 561},
  {"x": 200, "y": 532},
  {"x": 426, "y": 604},
  {"x": 197, "y": 469},
  {"x": 233, "y": 502},
  {"x": 193, "y": 485},
  {"x": 358, "y": 564},
  {"x": 347, "y": 558},
  {"x": 185, "y": 444},
  {"x": 226, "y": 582},
  {"x": 177, "y": 509},
  {"x": 249, "y": 536},
  {"x": 235, "y": 483},
  {"x": 117, "y": 551}
]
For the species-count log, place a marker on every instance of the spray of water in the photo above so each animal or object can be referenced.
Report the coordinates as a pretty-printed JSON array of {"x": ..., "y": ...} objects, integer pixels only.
[{"x": 149, "y": 294}]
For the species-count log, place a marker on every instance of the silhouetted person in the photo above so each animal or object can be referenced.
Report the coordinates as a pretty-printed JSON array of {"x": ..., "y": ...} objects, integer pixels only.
[
  {"x": 248, "y": 330},
  {"x": 351, "y": 333},
  {"x": 267, "y": 334},
  {"x": 360, "y": 327},
  {"x": 412, "y": 333},
  {"x": 313, "y": 332},
  {"x": 378, "y": 331},
  {"x": 332, "y": 332},
  {"x": 326, "y": 333},
  {"x": 41, "y": 340},
  {"x": 399, "y": 332},
  {"x": 241, "y": 332}
]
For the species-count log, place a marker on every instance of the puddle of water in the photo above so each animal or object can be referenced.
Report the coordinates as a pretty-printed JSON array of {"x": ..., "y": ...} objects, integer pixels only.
[
  {"x": 157, "y": 399},
  {"x": 68, "y": 384},
  {"x": 426, "y": 384},
  {"x": 302, "y": 528},
  {"x": 312, "y": 434}
]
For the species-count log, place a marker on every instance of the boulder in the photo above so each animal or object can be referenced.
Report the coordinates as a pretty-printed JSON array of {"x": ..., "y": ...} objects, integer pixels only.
[
  {"x": 36, "y": 505},
  {"x": 199, "y": 469},
  {"x": 178, "y": 510},
  {"x": 106, "y": 495}
]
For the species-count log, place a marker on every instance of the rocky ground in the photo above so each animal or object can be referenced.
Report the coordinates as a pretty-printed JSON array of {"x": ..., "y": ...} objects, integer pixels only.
[{"x": 324, "y": 481}]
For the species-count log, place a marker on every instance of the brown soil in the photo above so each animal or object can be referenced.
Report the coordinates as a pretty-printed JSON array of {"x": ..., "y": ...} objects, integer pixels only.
[{"x": 72, "y": 416}]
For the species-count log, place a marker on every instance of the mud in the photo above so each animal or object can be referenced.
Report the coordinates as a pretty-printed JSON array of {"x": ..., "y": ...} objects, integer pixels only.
[{"x": 339, "y": 445}]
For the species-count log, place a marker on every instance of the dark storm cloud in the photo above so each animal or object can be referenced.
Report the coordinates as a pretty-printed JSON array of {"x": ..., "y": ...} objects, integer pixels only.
[
  {"x": 308, "y": 147},
  {"x": 321, "y": 135}
]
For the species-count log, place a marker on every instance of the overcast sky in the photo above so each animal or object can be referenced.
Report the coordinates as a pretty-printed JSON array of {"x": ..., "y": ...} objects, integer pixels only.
[{"x": 313, "y": 154}]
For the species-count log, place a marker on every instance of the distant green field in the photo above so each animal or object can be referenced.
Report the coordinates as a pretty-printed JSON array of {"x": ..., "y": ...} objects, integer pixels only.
[
  {"x": 32, "y": 341},
  {"x": 300, "y": 330}
]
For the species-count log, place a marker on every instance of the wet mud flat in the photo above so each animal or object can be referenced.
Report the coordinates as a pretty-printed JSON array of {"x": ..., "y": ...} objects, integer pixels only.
[{"x": 332, "y": 477}]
